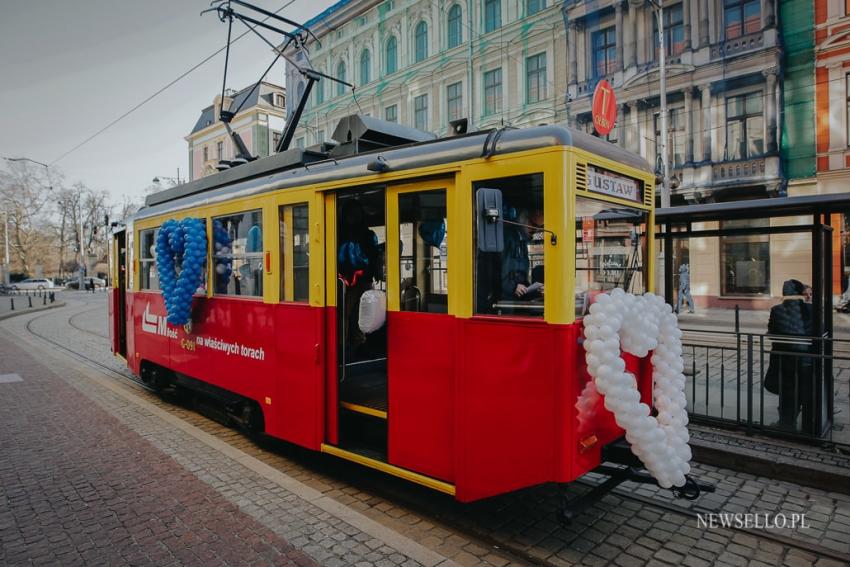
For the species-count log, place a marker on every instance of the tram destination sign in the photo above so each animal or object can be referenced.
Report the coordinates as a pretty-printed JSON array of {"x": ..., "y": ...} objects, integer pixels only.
[{"x": 609, "y": 183}]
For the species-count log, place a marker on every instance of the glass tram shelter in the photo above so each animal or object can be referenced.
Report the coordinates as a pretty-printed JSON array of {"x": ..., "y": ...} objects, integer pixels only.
[{"x": 738, "y": 256}]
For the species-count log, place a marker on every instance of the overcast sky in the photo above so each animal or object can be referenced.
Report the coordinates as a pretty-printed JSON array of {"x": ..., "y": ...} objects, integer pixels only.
[{"x": 69, "y": 67}]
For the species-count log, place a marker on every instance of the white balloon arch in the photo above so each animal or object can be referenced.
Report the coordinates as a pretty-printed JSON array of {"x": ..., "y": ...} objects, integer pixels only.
[{"x": 640, "y": 324}]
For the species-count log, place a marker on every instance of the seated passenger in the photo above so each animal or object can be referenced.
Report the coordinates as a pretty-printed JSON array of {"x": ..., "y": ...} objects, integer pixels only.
[{"x": 515, "y": 257}]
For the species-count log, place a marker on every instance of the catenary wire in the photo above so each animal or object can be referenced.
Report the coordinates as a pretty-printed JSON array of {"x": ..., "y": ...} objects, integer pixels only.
[{"x": 158, "y": 92}]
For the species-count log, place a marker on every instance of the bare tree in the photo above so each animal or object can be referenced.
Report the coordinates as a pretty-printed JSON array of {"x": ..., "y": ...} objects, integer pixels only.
[{"x": 26, "y": 190}]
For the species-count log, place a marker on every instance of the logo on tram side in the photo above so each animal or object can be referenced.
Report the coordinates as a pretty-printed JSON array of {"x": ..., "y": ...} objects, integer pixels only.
[{"x": 156, "y": 324}]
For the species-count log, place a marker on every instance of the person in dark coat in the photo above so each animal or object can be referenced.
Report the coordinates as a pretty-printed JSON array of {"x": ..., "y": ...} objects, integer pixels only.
[{"x": 789, "y": 374}]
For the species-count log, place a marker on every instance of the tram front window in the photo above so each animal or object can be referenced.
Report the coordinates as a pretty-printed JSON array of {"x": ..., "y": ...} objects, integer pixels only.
[
  {"x": 511, "y": 282},
  {"x": 610, "y": 249}
]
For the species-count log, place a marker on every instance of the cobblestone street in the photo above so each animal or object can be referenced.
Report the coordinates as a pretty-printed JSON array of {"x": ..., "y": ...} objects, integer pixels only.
[{"x": 96, "y": 469}]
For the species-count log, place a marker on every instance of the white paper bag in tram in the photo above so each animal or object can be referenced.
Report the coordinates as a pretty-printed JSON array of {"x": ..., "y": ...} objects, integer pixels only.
[{"x": 373, "y": 310}]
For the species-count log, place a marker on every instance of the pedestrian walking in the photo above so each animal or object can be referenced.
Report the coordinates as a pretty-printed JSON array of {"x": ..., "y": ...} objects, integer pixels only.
[{"x": 685, "y": 289}]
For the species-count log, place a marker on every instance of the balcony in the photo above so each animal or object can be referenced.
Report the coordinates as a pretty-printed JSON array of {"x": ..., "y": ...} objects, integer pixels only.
[
  {"x": 698, "y": 180},
  {"x": 742, "y": 44}
]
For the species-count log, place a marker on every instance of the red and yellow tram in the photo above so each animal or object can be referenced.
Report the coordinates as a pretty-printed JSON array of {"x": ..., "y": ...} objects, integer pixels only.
[{"x": 486, "y": 247}]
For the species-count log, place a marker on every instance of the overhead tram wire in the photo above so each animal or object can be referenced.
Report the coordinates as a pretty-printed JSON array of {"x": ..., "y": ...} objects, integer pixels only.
[{"x": 159, "y": 91}]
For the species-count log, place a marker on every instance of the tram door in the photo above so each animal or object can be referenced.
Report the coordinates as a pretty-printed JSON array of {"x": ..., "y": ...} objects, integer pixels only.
[
  {"x": 119, "y": 290},
  {"x": 361, "y": 350}
]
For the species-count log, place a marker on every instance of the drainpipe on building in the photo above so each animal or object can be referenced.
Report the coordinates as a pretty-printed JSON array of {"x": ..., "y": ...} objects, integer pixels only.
[{"x": 470, "y": 127}]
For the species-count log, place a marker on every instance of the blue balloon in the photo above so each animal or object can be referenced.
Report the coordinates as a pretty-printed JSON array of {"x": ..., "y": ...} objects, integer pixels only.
[{"x": 182, "y": 244}]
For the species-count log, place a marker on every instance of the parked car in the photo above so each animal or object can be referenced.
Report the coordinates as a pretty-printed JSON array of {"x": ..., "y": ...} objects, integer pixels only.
[
  {"x": 33, "y": 283},
  {"x": 74, "y": 283}
]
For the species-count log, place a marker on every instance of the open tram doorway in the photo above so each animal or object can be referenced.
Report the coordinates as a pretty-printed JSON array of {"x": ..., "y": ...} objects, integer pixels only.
[
  {"x": 361, "y": 353},
  {"x": 119, "y": 283}
]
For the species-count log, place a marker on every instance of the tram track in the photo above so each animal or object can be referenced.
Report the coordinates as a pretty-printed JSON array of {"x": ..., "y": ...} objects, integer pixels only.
[{"x": 505, "y": 548}]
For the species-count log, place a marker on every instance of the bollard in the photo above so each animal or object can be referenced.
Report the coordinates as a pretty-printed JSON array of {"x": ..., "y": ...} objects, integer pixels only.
[
  {"x": 29, "y": 299},
  {"x": 44, "y": 300},
  {"x": 12, "y": 299},
  {"x": 52, "y": 296}
]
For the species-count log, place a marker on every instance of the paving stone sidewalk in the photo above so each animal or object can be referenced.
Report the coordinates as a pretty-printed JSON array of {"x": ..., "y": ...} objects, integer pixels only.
[{"x": 79, "y": 484}]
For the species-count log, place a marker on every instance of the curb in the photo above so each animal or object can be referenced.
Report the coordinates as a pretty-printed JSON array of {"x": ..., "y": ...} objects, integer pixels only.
[
  {"x": 814, "y": 475},
  {"x": 32, "y": 310}
]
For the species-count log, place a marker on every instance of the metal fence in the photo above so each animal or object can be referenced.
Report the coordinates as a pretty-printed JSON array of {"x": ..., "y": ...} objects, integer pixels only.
[{"x": 726, "y": 381}]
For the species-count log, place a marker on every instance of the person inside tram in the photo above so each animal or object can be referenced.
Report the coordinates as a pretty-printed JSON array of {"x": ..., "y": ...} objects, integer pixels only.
[
  {"x": 516, "y": 264},
  {"x": 358, "y": 264}
]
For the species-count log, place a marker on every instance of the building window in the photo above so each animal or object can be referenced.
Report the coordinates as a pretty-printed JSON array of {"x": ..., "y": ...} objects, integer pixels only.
[
  {"x": 275, "y": 141},
  {"x": 605, "y": 51},
  {"x": 319, "y": 87},
  {"x": 238, "y": 254},
  {"x": 674, "y": 31},
  {"x": 455, "y": 34},
  {"x": 745, "y": 259},
  {"x": 744, "y": 126},
  {"x": 421, "y": 41},
  {"x": 510, "y": 282},
  {"x": 676, "y": 125},
  {"x": 279, "y": 100},
  {"x": 365, "y": 65},
  {"x": 454, "y": 98},
  {"x": 420, "y": 112},
  {"x": 299, "y": 142},
  {"x": 741, "y": 17},
  {"x": 391, "y": 113},
  {"x": 535, "y": 78},
  {"x": 320, "y": 137},
  {"x": 392, "y": 55},
  {"x": 534, "y": 6},
  {"x": 340, "y": 74},
  {"x": 492, "y": 15},
  {"x": 206, "y": 153},
  {"x": 294, "y": 253},
  {"x": 493, "y": 92},
  {"x": 148, "y": 275},
  {"x": 219, "y": 147}
]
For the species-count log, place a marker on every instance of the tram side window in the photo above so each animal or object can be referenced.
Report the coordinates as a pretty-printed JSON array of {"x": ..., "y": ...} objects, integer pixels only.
[
  {"x": 610, "y": 249},
  {"x": 423, "y": 253},
  {"x": 295, "y": 253},
  {"x": 511, "y": 282},
  {"x": 148, "y": 275},
  {"x": 238, "y": 254}
]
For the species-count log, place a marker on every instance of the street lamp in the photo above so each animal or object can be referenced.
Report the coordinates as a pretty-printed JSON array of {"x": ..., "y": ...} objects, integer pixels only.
[
  {"x": 7, "y": 262},
  {"x": 175, "y": 180},
  {"x": 662, "y": 71}
]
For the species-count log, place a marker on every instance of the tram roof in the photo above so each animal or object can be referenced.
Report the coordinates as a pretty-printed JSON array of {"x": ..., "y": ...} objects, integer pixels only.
[
  {"x": 285, "y": 169},
  {"x": 756, "y": 208}
]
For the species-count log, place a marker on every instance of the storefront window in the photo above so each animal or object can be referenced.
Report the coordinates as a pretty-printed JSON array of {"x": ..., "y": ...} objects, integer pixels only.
[
  {"x": 745, "y": 259},
  {"x": 610, "y": 249}
]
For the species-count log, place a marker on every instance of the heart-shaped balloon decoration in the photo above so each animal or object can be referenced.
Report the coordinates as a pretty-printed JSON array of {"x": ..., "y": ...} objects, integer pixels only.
[
  {"x": 640, "y": 324},
  {"x": 180, "y": 243}
]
